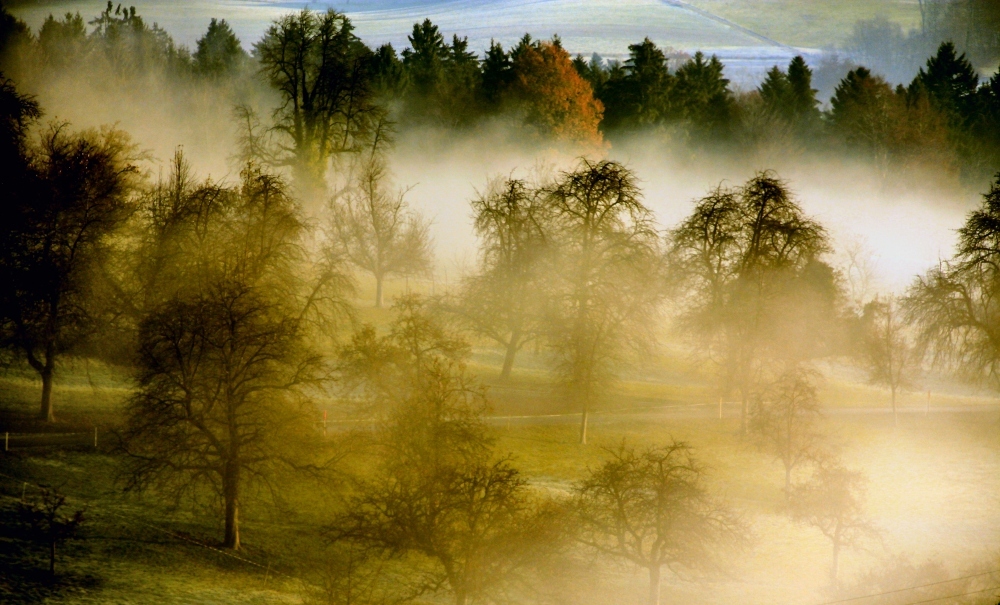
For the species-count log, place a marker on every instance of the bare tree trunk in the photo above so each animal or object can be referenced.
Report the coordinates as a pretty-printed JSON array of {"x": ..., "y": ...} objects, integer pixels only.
[
  {"x": 744, "y": 412},
  {"x": 583, "y": 425},
  {"x": 508, "y": 358},
  {"x": 836, "y": 561},
  {"x": 654, "y": 585},
  {"x": 230, "y": 492},
  {"x": 46, "y": 412},
  {"x": 788, "y": 483},
  {"x": 52, "y": 557},
  {"x": 895, "y": 418},
  {"x": 378, "y": 291}
]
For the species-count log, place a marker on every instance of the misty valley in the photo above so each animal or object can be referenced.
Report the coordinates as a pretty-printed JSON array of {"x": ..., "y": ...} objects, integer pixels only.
[{"x": 356, "y": 315}]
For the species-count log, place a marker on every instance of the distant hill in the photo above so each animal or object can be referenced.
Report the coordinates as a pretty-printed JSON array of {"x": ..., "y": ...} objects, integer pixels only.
[{"x": 749, "y": 35}]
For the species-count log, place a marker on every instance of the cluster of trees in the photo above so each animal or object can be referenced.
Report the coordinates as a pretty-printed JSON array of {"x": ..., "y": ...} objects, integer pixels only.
[
  {"x": 335, "y": 90},
  {"x": 229, "y": 306},
  {"x": 576, "y": 262},
  {"x": 120, "y": 42},
  {"x": 442, "y": 492},
  {"x": 218, "y": 300},
  {"x": 884, "y": 46}
]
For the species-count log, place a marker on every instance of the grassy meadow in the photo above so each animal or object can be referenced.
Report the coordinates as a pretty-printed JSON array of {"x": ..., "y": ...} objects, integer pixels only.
[
  {"x": 934, "y": 490},
  {"x": 811, "y": 24}
]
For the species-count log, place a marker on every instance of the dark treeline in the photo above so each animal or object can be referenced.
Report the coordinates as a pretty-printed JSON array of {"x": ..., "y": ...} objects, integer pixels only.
[{"x": 946, "y": 117}]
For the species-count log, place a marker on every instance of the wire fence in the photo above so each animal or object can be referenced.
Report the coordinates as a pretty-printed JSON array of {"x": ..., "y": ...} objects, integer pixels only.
[{"x": 23, "y": 441}]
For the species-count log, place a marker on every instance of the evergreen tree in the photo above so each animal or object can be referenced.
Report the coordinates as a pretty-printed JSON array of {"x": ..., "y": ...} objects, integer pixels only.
[
  {"x": 131, "y": 47},
  {"x": 15, "y": 42},
  {"x": 790, "y": 96},
  {"x": 388, "y": 72},
  {"x": 776, "y": 92},
  {"x": 951, "y": 82},
  {"x": 702, "y": 96},
  {"x": 987, "y": 123},
  {"x": 219, "y": 51},
  {"x": 592, "y": 71},
  {"x": 803, "y": 95},
  {"x": 637, "y": 94},
  {"x": 497, "y": 76},
  {"x": 424, "y": 60},
  {"x": 460, "y": 87},
  {"x": 62, "y": 41}
]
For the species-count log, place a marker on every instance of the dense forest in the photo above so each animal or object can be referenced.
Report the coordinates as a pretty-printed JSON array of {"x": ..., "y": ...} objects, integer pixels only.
[{"x": 311, "y": 416}]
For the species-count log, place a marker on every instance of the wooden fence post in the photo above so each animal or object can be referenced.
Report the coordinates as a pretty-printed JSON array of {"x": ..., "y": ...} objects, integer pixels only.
[{"x": 95, "y": 437}]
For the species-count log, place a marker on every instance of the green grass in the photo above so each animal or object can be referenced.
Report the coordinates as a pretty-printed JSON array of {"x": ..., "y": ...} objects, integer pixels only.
[
  {"x": 933, "y": 486},
  {"x": 810, "y": 23}
]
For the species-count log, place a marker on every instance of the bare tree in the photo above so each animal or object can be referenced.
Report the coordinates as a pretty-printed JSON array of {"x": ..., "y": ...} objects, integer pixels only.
[
  {"x": 48, "y": 520},
  {"x": 832, "y": 501},
  {"x": 858, "y": 268},
  {"x": 891, "y": 360},
  {"x": 782, "y": 420},
  {"x": 376, "y": 230},
  {"x": 381, "y": 371},
  {"x": 503, "y": 300},
  {"x": 224, "y": 374},
  {"x": 607, "y": 268},
  {"x": 439, "y": 491},
  {"x": 651, "y": 508},
  {"x": 956, "y": 305},
  {"x": 738, "y": 262},
  {"x": 220, "y": 400},
  {"x": 56, "y": 240},
  {"x": 323, "y": 73}
]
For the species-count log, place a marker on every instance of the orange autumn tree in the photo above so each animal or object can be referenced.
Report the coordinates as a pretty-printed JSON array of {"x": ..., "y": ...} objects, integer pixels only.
[{"x": 553, "y": 96}]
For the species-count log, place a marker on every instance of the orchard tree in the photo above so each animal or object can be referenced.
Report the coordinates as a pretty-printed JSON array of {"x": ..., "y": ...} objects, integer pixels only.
[
  {"x": 606, "y": 273},
  {"x": 502, "y": 301},
  {"x": 77, "y": 192},
  {"x": 886, "y": 351},
  {"x": 220, "y": 401},
  {"x": 323, "y": 74},
  {"x": 651, "y": 508},
  {"x": 224, "y": 373},
  {"x": 49, "y": 521},
  {"x": 381, "y": 371},
  {"x": 833, "y": 501},
  {"x": 438, "y": 490},
  {"x": 375, "y": 229},
  {"x": 956, "y": 307},
  {"x": 746, "y": 268},
  {"x": 783, "y": 421}
]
